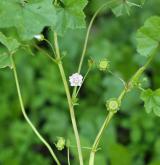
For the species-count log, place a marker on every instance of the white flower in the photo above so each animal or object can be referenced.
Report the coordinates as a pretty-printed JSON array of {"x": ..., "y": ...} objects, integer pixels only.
[
  {"x": 39, "y": 37},
  {"x": 76, "y": 79}
]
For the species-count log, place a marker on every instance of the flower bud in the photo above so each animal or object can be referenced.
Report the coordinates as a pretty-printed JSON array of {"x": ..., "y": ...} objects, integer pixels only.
[
  {"x": 103, "y": 65},
  {"x": 112, "y": 105},
  {"x": 60, "y": 143},
  {"x": 39, "y": 37}
]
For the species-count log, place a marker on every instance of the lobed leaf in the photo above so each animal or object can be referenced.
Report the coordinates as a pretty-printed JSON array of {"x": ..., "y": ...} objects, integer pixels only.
[
  {"x": 5, "y": 61},
  {"x": 124, "y": 7},
  {"x": 10, "y": 43},
  {"x": 29, "y": 17},
  {"x": 70, "y": 16},
  {"x": 151, "y": 101},
  {"x": 148, "y": 36}
]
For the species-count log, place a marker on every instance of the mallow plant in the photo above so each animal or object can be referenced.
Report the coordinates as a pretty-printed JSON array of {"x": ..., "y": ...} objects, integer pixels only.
[{"x": 28, "y": 18}]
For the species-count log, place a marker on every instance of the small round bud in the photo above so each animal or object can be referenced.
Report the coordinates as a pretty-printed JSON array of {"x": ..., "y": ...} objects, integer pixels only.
[
  {"x": 39, "y": 37},
  {"x": 112, "y": 105},
  {"x": 60, "y": 143},
  {"x": 103, "y": 65}
]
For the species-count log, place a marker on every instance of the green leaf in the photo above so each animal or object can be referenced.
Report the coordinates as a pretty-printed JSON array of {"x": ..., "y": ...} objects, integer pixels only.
[
  {"x": 121, "y": 9},
  {"x": 71, "y": 15},
  {"x": 148, "y": 36},
  {"x": 124, "y": 7},
  {"x": 10, "y": 43},
  {"x": 29, "y": 18},
  {"x": 151, "y": 101},
  {"x": 5, "y": 61}
]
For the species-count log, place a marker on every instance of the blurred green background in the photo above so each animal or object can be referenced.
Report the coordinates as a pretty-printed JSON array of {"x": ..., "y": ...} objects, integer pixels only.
[{"x": 133, "y": 137}]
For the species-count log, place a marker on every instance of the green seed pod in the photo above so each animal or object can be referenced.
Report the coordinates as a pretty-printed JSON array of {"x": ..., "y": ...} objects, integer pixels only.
[
  {"x": 112, "y": 105},
  {"x": 103, "y": 65},
  {"x": 60, "y": 143}
]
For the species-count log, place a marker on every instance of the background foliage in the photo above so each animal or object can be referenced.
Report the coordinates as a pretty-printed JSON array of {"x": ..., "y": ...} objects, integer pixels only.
[{"x": 132, "y": 137}]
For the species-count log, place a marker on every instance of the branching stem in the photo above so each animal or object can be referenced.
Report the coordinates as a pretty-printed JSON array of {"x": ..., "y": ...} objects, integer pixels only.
[
  {"x": 135, "y": 78},
  {"x": 87, "y": 37},
  {"x": 69, "y": 99}
]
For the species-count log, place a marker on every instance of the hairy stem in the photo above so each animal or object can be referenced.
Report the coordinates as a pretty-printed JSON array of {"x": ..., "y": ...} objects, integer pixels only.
[
  {"x": 69, "y": 99},
  {"x": 134, "y": 79},
  {"x": 26, "y": 117}
]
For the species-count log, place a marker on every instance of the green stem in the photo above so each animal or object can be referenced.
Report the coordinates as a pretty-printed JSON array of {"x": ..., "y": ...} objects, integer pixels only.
[
  {"x": 76, "y": 94},
  {"x": 88, "y": 32},
  {"x": 85, "y": 148},
  {"x": 98, "y": 137},
  {"x": 49, "y": 43},
  {"x": 140, "y": 71},
  {"x": 45, "y": 53},
  {"x": 68, "y": 156},
  {"x": 69, "y": 99},
  {"x": 134, "y": 78},
  {"x": 118, "y": 77},
  {"x": 87, "y": 37},
  {"x": 26, "y": 117}
]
